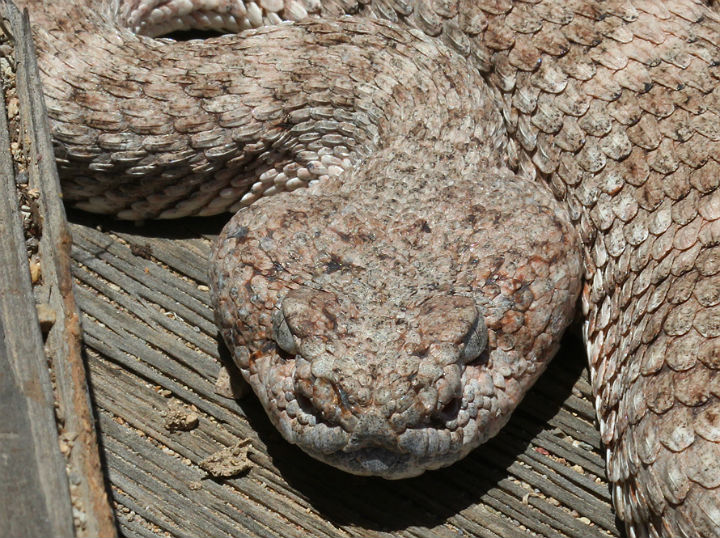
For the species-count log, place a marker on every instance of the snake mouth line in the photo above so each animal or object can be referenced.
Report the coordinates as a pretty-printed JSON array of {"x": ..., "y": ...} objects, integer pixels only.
[
  {"x": 372, "y": 462},
  {"x": 420, "y": 447},
  {"x": 418, "y": 450}
]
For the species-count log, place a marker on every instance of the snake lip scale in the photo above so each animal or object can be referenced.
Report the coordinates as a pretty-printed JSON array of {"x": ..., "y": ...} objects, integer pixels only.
[{"x": 424, "y": 191}]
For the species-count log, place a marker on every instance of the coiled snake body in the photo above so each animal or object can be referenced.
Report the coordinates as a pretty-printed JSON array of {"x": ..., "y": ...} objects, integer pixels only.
[{"x": 473, "y": 166}]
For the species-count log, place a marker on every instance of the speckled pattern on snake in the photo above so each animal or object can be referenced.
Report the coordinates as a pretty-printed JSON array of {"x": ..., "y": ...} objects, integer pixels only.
[{"x": 475, "y": 170}]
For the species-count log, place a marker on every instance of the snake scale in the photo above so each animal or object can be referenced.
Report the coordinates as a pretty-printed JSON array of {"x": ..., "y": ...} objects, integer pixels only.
[{"x": 472, "y": 168}]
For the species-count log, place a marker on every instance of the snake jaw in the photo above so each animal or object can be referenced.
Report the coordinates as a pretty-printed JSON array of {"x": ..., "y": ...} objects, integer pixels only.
[
  {"x": 374, "y": 446},
  {"x": 353, "y": 425},
  {"x": 444, "y": 405}
]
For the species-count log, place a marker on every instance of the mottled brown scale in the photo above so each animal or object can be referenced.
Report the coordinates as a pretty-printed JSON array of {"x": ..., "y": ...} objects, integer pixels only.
[{"x": 408, "y": 149}]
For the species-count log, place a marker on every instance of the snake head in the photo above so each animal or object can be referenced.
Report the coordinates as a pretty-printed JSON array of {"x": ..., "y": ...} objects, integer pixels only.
[{"x": 389, "y": 345}]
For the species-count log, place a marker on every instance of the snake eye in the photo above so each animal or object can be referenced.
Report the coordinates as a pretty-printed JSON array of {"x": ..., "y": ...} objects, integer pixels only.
[
  {"x": 476, "y": 340},
  {"x": 282, "y": 334}
]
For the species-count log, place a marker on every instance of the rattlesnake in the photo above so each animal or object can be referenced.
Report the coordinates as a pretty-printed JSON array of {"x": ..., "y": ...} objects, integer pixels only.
[{"x": 472, "y": 167}]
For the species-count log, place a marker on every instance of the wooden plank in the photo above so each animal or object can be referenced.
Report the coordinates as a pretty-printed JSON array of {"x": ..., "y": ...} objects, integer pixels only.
[
  {"x": 90, "y": 513},
  {"x": 34, "y": 492},
  {"x": 25, "y": 507},
  {"x": 149, "y": 333}
]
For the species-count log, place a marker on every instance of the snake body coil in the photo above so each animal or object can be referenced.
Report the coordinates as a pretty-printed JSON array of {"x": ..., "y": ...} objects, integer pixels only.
[{"x": 471, "y": 168}]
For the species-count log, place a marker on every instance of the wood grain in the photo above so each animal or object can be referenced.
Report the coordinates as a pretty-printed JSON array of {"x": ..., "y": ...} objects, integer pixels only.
[{"x": 34, "y": 497}]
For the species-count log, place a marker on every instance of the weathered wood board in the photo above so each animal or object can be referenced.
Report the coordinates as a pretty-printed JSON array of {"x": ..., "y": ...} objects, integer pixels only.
[{"x": 51, "y": 483}]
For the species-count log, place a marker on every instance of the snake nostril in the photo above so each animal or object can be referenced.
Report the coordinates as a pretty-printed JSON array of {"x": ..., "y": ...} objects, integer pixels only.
[
  {"x": 450, "y": 410},
  {"x": 305, "y": 404}
]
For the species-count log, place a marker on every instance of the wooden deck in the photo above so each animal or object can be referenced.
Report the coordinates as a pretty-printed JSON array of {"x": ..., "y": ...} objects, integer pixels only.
[
  {"x": 150, "y": 340},
  {"x": 152, "y": 354}
]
